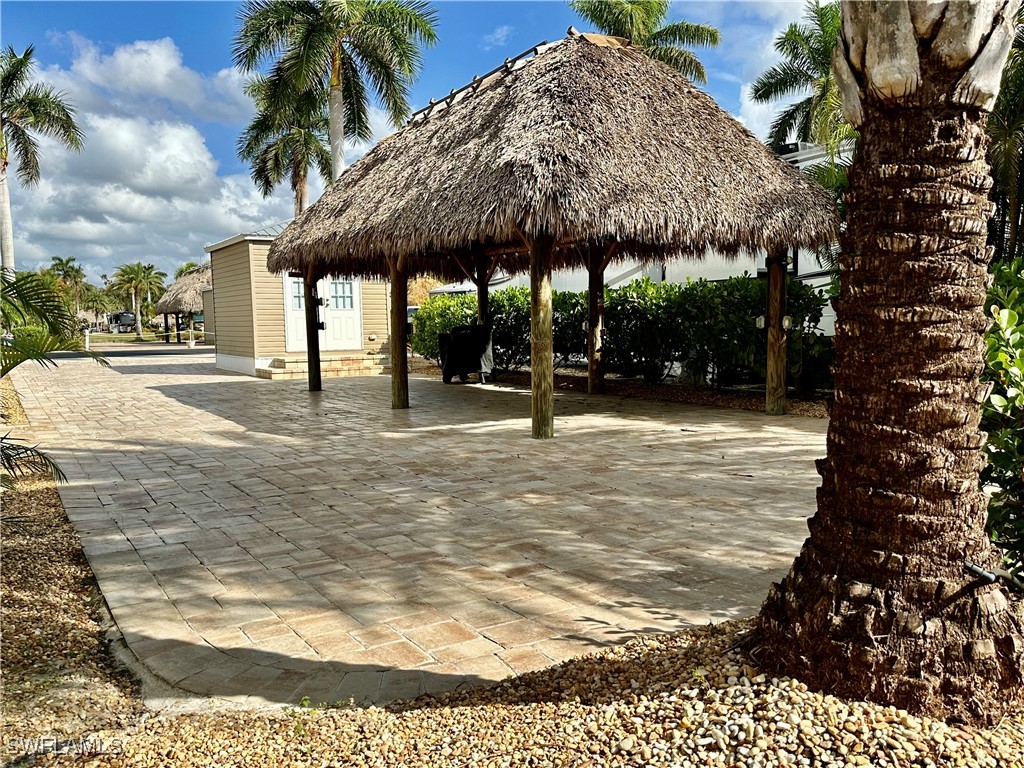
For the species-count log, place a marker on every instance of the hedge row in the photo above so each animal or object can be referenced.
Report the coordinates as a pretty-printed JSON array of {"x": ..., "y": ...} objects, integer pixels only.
[{"x": 697, "y": 331}]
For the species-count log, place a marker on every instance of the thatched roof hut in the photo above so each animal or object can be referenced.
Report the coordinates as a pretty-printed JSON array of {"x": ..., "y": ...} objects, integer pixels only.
[
  {"x": 185, "y": 296},
  {"x": 589, "y": 140},
  {"x": 573, "y": 154}
]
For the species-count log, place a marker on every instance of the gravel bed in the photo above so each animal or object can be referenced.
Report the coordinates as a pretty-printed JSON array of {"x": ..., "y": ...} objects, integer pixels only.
[{"x": 692, "y": 698}]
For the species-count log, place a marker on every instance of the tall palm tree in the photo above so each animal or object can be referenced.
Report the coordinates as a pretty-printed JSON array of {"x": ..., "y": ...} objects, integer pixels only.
[
  {"x": 882, "y": 602},
  {"x": 805, "y": 72},
  {"x": 351, "y": 47},
  {"x": 26, "y": 109},
  {"x": 138, "y": 280},
  {"x": 1006, "y": 153},
  {"x": 643, "y": 23},
  {"x": 286, "y": 140}
]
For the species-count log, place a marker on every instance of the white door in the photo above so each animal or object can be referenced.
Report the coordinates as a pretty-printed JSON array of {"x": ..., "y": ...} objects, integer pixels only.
[{"x": 340, "y": 313}]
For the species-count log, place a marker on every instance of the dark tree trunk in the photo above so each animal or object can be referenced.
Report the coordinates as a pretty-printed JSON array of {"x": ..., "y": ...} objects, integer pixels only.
[
  {"x": 311, "y": 303},
  {"x": 482, "y": 279},
  {"x": 775, "y": 374},
  {"x": 878, "y": 605},
  {"x": 399, "y": 334}
]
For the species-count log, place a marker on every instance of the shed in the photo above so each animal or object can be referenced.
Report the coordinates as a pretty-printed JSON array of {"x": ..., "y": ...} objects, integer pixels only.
[
  {"x": 575, "y": 153},
  {"x": 260, "y": 327}
]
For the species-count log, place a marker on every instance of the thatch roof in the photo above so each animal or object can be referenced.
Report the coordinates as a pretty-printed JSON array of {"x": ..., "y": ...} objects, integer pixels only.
[
  {"x": 186, "y": 293},
  {"x": 589, "y": 140}
]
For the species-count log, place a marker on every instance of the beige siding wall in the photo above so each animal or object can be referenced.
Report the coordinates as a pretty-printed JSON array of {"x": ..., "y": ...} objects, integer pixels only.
[
  {"x": 375, "y": 315},
  {"x": 268, "y": 295},
  {"x": 232, "y": 289},
  {"x": 209, "y": 319}
]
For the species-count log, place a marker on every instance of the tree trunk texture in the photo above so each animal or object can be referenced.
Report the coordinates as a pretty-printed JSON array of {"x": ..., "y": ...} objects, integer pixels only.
[
  {"x": 878, "y": 605},
  {"x": 311, "y": 303},
  {"x": 336, "y": 118},
  {"x": 137, "y": 309},
  {"x": 399, "y": 335},
  {"x": 775, "y": 378},
  {"x": 542, "y": 361},
  {"x": 595, "y": 321},
  {"x": 6, "y": 226}
]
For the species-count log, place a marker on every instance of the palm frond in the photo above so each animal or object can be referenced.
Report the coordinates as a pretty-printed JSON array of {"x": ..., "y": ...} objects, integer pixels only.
[
  {"x": 685, "y": 33},
  {"x": 679, "y": 59},
  {"x": 19, "y": 460}
]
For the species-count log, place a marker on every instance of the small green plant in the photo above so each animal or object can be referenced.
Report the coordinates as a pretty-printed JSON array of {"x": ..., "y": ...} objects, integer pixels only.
[{"x": 1003, "y": 412}]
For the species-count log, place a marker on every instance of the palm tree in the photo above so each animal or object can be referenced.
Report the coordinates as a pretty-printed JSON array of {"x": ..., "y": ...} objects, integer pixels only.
[
  {"x": 27, "y": 108},
  {"x": 97, "y": 301},
  {"x": 351, "y": 47},
  {"x": 137, "y": 280},
  {"x": 286, "y": 141},
  {"x": 643, "y": 23},
  {"x": 71, "y": 277},
  {"x": 184, "y": 269},
  {"x": 1006, "y": 154},
  {"x": 806, "y": 72},
  {"x": 896, "y": 595}
]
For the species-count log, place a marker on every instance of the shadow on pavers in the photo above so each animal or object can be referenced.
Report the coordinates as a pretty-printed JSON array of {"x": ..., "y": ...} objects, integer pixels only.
[{"x": 252, "y": 677}]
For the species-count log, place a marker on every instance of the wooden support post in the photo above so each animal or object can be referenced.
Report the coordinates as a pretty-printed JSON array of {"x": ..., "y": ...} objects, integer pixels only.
[
  {"x": 482, "y": 278},
  {"x": 167, "y": 330},
  {"x": 399, "y": 334},
  {"x": 311, "y": 302},
  {"x": 542, "y": 363},
  {"x": 177, "y": 327},
  {"x": 775, "y": 387},
  {"x": 595, "y": 320}
]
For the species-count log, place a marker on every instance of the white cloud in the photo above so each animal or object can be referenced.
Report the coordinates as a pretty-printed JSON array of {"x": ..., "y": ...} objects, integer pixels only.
[
  {"x": 146, "y": 186},
  {"x": 755, "y": 115},
  {"x": 498, "y": 38}
]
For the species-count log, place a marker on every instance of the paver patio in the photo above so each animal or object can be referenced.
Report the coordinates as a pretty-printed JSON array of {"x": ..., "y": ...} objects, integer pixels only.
[{"x": 259, "y": 542}]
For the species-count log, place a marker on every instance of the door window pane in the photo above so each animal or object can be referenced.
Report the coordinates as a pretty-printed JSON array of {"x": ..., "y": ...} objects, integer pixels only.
[
  {"x": 342, "y": 295},
  {"x": 297, "y": 303}
]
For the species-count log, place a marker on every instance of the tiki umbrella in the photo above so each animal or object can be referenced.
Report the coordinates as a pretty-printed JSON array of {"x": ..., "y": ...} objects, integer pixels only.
[{"x": 573, "y": 154}]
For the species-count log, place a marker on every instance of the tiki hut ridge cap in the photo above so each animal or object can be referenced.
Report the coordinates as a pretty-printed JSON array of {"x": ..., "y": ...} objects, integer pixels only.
[
  {"x": 590, "y": 141},
  {"x": 185, "y": 296}
]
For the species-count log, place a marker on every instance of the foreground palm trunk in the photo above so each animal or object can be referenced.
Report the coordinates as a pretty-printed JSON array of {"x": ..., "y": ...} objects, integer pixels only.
[{"x": 878, "y": 605}]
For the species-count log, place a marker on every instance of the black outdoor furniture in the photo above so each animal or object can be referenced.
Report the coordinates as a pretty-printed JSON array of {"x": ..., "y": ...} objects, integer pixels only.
[{"x": 464, "y": 350}]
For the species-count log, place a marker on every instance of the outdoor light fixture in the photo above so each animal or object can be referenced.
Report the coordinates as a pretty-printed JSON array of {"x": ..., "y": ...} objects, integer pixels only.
[
  {"x": 787, "y": 322},
  {"x": 760, "y": 321}
]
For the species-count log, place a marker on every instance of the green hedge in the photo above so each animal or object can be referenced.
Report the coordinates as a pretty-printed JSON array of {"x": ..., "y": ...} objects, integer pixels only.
[{"x": 697, "y": 331}]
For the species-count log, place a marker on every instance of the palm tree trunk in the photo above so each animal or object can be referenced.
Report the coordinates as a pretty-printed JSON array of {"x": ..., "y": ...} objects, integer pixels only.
[
  {"x": 878, "y": 604},
  {"x": 6, "y": 225},
  {"x": 336, "y": 118},
  {"x": 137, "y": 309}
]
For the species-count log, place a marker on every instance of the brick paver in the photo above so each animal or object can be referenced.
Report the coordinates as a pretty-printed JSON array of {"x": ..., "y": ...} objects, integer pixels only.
[{"x": 260, "y": 542}]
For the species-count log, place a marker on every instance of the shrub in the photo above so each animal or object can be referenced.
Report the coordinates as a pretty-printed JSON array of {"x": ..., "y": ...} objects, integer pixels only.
[
  {"x": 1003, "y": 412},
  {"x": 510, "y": 314},
  {"x": 437, "y": 315},
  {"x": 704, "y": 330}
]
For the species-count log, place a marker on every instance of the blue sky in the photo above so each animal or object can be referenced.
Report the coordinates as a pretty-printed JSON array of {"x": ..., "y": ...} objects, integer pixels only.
[{"x": 162, "y": 106}]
